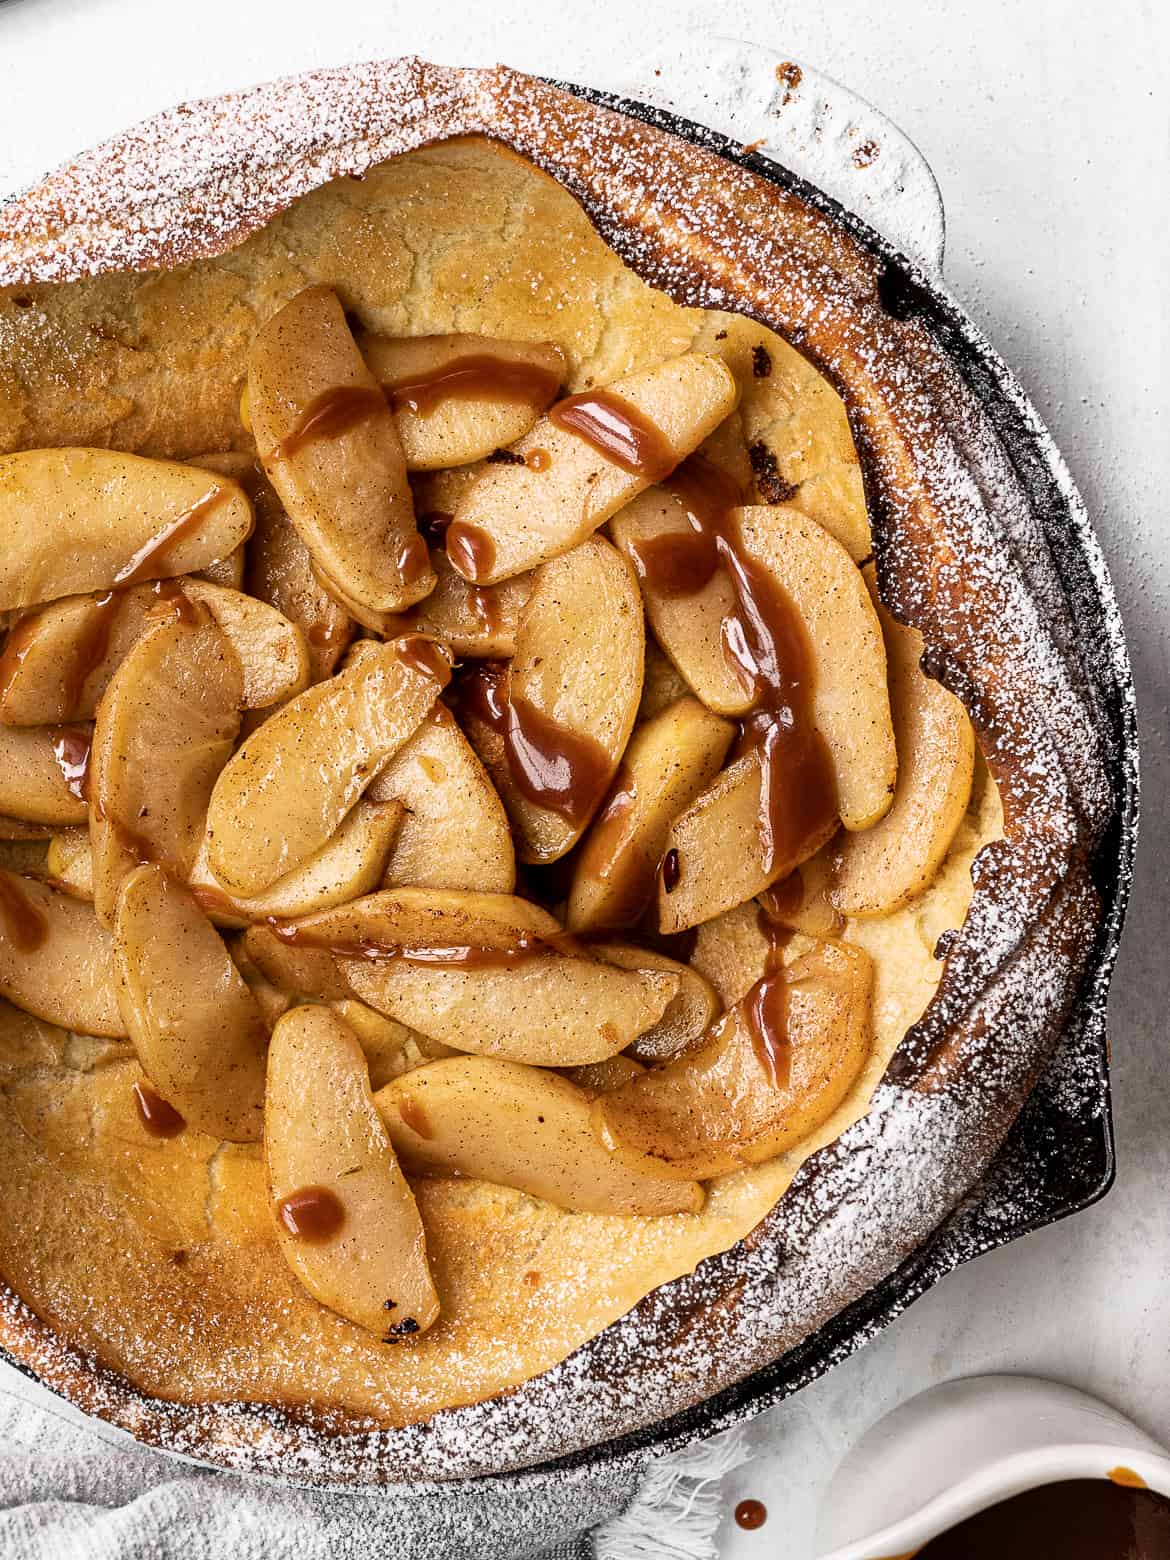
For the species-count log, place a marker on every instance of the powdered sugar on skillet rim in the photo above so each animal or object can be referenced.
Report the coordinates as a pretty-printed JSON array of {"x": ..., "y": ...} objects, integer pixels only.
[{"x": 1029, "y": 640}]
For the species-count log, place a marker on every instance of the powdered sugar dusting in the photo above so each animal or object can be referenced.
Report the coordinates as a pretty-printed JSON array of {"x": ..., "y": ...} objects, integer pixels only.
[{"x": 967, "y": 501}]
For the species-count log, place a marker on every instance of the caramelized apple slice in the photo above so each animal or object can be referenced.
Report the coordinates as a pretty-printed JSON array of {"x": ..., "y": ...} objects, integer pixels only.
[
  {"x": 879, "y": 870},
  {"x": 572, "y": 695},
  {"x": 596, "y": 1078},
  {"x": 475, "y": 620},
  {"x": 732, "y": 951},
  {"x": 519, "y": 1126},
  {"x": 280, "y": 571},
  {"x": 70, "y": 861},
  {"x": 668, "y": 761},
  {"x": 164, "y": 731},
  {"x": 270, "y": 999},
  {"x": 349, "y": 864},
  {"x": 714, "y": 853},
  {"x": 66, "y": 654},
  {"x": 34, "y": 785},
  {"x": 801, "y": 903},
  {"x": 457, "y": 398},
  {"x": 689, "y": 1015},
  {"x": 686, "y": 615},
  {"x": 196, "y": 1027},
  {"x": 346, "y": 1219},
  {"x": 287, "y": 789},
  {"x": 739, "y": 1099},
  {"x": 661, "y": 684},
  {"x": 75, "y": 520},
  {"x": 481, "y": 972},
  {"x": 332, "y": 452},
  {"x": 850, "y": 703},
  {"x": 550, "y": 1010},
  {"x": 455, "y": 833},
  {"x": 300, "y": 971},
  {"x": 56, "y": 962},
  {"x": 390, "y": 1048},
  {"x": 517, "y": 515}
]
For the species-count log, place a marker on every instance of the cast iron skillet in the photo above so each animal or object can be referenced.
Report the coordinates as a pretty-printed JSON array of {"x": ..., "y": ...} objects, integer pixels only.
[{"x": 1059, "y": 1156}]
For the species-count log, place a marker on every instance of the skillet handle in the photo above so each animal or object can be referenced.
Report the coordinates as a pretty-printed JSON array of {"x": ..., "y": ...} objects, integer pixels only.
[{"x": 812, "y": 125}]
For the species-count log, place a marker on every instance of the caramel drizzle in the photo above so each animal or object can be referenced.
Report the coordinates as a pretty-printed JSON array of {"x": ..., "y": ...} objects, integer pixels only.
[
  {"x": 470, "y": 550},
  {"x": 149, "y": 559},
  {"x": 158, "y": 1116},
  {"x": 765, "y": 640},
  {"x": 550, "y": 766},
  {"x": 25, "y": 925},
  {"x": 330, "y": 415},
  {"x": 617, "y": 430},
  {"x": 765, "y": 1008},
  {"x": 525, "y": 946},
  {"x": 312, "y": 1214},
  {"x": 477, "y": 376},
  {"x": 606, "y": 858}
]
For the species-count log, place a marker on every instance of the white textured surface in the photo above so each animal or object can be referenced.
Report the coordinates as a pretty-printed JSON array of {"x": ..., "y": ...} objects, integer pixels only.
[{"x": 1045, "y": 123}]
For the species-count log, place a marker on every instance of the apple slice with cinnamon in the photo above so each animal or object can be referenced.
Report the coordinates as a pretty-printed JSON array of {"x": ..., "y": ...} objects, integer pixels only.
[
  {"x": 551, "y": 726},
  {"x": 40, "y": 769},
  {"x": 877, "y": 871},
  {"x": 164, "y": 730},
  {"x": 456, "y": 398},
  {"x": 279, "y": 570},
  {"x": 76, "y": 520},
  {"x": 352, "y": 862},
  {"x": 345, "y": 1217},
  {"x": 486, "y": 973},
  {"x": 197, "y": 1029},
  {"x": 667, "y": 763},
  {"x": 582, "y": 462},
  {"x": 286, "y": 790},
  {"x": 771, "y": 1073},
  {"x": 455, "y": 833},
  {"x": 63, "y": 657},
  {"x": 523, "y": 1127},
  {"x": 330, "y": 447},
  {"x": 56, "y": 962}
]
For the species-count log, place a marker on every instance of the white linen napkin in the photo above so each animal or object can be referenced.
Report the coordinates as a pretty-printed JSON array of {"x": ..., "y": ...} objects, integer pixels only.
[{"x": 69, "y": 1492}]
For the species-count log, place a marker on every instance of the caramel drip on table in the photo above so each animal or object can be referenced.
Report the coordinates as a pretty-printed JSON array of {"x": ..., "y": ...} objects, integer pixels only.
[
  {"x": 313, "y": 1214},
  {"x": 329, "y": 415},
  {"x": 751, "y": 1514},
  {"x": 24, "y": 924},
  {"x": 617, "y": 430},
  {"x": 478, "y": 376},
  {"x": 550, "y": 766},
  {"x": 149, "y": 559},
  {"x": 160, "y": 1118},
  {"x": 71, "y": 750},
  {"x": 766, "y": 642}
]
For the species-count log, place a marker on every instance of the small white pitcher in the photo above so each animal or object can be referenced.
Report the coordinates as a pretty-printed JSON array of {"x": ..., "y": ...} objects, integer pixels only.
[{"x": 967, "y": 1445}]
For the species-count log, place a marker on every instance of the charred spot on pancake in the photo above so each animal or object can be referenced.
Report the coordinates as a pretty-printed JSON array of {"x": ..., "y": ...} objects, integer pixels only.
[
  {"x": 504, "y": 458},
  {"x": 770, "y": 485},
  {"x": 761, "y": 362},
  {"x": 400, "y": 1330}
]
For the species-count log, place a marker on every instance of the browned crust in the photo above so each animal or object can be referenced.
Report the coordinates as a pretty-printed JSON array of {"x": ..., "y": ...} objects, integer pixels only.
[{"x": 945, "y": 503}]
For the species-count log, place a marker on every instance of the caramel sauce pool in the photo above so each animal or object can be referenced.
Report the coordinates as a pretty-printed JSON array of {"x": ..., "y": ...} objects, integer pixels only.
[
  {"x": 478, "y": 376},
  {"x": 618, "y": 431},
  {"x": 22, "y": 923},
  {"x": 1081, "y": 1519},
  {"x": 313, "y": 1214},
  {"x": 550, "y": 766},
  {"x": 157, "y": 1116}
]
